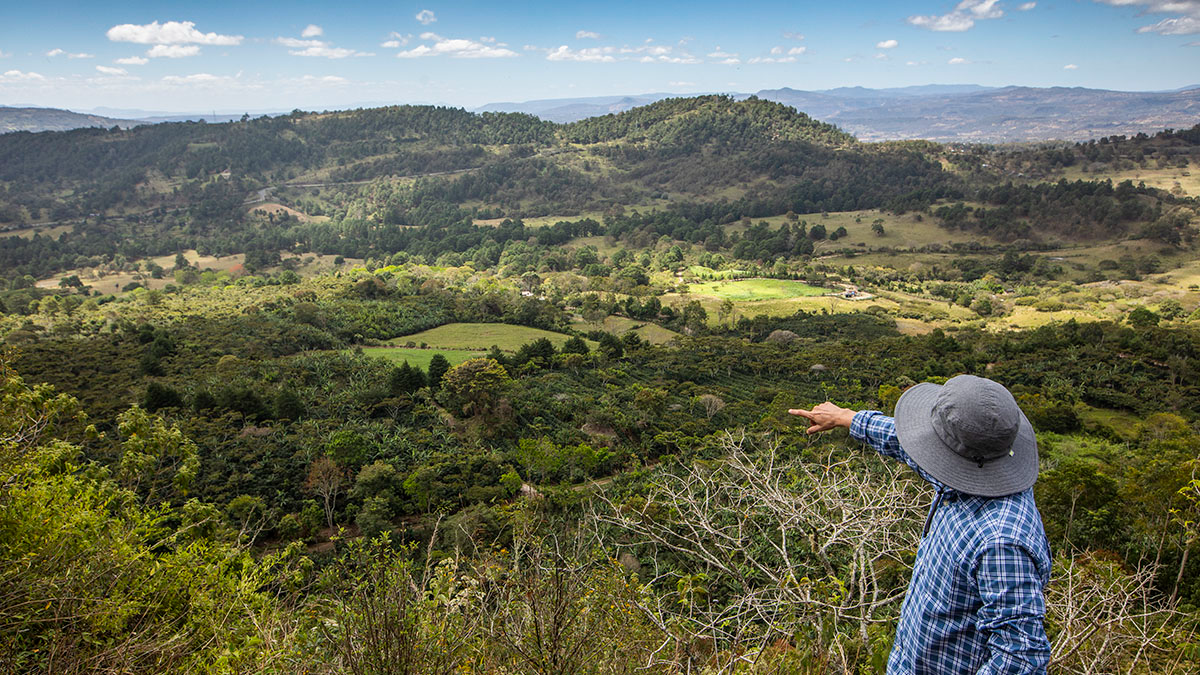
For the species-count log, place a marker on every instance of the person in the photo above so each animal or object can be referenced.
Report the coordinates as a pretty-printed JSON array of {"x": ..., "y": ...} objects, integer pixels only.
[{"x": 975, "y": 603}]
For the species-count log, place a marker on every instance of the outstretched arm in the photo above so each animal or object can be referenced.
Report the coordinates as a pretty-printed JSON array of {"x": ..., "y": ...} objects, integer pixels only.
[
  {"x": 873, "y": 427},
  {"x": 825, "y": 417}
]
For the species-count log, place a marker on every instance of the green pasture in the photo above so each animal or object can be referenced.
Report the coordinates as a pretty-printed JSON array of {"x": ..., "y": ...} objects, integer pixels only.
[
  {"x": 756, "y": 289},
  {"x": 473, "y": 337},
  {"x": 911, "y": 230},
  {"x": 619, "y": 325},
  {"x": 420, "y": 358},
  {"x": 1187, "y": 179},
  {"x": 709, "y": 273}
]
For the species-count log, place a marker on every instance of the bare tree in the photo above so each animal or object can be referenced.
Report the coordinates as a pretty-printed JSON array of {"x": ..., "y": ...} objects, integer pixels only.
[
  {"x": 1107, "y": 619},
  {"x": 326, "y": 478},
  {"x": 791, "y": 544},
  {"x": 711, "y": 403}
]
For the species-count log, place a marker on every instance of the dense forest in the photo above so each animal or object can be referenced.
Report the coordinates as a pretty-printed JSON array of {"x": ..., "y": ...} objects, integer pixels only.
[{"x": 486, "y": 394}]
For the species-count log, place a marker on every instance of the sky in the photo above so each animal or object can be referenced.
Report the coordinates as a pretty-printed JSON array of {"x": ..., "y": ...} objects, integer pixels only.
[{"x": 247, "y": 56}]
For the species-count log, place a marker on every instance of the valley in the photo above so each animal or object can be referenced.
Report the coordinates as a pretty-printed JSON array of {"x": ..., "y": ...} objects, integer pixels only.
[{"x": 271, "y": 375}]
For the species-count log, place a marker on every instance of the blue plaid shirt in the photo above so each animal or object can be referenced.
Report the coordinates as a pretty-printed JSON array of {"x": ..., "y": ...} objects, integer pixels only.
[{"x": 975, "y": 603}]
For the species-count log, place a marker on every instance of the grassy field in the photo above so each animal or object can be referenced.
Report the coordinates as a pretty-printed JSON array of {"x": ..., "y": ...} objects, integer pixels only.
[
  {"x": 1186, "y": 179},
  {"x": 756, "y": 289},
  {"x": 618, "y": 325},
  {"x": 420, "y": 358},
  {"x": 307, "y": 265},
  {"x": 27, "y": 232},
  {"x": 904, "y": 231},
  {"x": 470, "y": 337},
  {"x": 709, "y": 273}
]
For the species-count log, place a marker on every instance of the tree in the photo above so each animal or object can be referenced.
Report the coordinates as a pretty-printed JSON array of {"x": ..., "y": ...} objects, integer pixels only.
[
  {"x": 406, "y": 379},
  {"x": 288, "y": 405},
  {"x": 695, "y": 317},
  {"x": 155, "y": 456},
  {"x": 325, "y": 479},
  {"x": 575, "y": 345},
  {"x": 1141, "y": 317},
  {"x": 438, "y": 366},
  {"x": 249, "y": 514},
  {"x": 611, "y": 347},
  {"x": 474, "y": 386},
  {"x": 711, "y": 404},
  {"x": 877, "y": 227},
  {"x": 160, "y": 396}
]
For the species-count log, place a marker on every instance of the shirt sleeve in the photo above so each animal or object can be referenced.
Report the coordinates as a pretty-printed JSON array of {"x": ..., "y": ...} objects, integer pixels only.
[
  {"x": 879, "y": 431},
  {"x": 1011, "y": 618}
]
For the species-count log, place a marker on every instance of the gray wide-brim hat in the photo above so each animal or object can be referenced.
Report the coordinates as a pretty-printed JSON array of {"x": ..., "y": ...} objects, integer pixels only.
[{"x": 969, "y": 434}]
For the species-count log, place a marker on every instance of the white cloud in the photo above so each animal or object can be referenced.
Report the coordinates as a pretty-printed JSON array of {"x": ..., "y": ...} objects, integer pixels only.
[
  {"x": 59, "y": 52},
  {"x": 887, "y": 44},
  {"x": 1186, "y": 23},
  {"x": 426, "y": 17},
  {"x": 797, "y": 51},
  {"x": 917, "y": 63},
  {"x": 958, "y": 61},
  {"x": 772, "y": 59},
  {"x": 312, "y": 30},
  {"x": 592, "y": 54},
  {"x": 459, "y": 48},
  {"x": 682, "y": 84},
  {"x": 317, "y": 49},
  {"x": 198, "y": 78},
  {"x": 396, "y": 40},
  {"x": 172, "y": 51},
  {"x": 881, "y": 56},
  {"x": 18, "y": 76},
  {"x": 169, "y": 33},
  {"x": 109, "y": 70},
  {"x": 1026, "y": 6},
  {"x": 645, "y": 53},
  {"x": 296, "y": 43},
  {"x": 1070, "y": 66},
  {"x": 964, "y": 16},
  {"x": 133, "y": 61},
  {"x": 776, "y": 50},
  {"x": 720, "y": 54},
  {"x": 326, "y": 52},
  {"x": 591, "y": 35},
  {"x": 324, "y": 79},
  {"x": 789, "y": 35}
]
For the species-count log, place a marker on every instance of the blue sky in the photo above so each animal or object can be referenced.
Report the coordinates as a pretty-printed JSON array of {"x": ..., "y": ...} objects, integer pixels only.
[{"x": 247, "y": 56}]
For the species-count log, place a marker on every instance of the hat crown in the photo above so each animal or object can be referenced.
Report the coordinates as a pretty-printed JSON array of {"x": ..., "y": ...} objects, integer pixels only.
[{"x": 976, "y": 417}]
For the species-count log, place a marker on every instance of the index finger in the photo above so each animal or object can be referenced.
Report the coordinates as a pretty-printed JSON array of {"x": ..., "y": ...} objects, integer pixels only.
[{"x": 801, "y": 412}]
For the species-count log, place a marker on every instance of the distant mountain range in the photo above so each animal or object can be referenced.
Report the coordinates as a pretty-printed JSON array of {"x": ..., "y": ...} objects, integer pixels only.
[
  {"x": 939, "y": 112},
  {"x": 32, "y": 118},
  {"x": 965, "y": 113}
]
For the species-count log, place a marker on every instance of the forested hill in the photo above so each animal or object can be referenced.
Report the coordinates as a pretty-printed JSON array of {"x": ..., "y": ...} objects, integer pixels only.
[{"x": 156, "y": 189}]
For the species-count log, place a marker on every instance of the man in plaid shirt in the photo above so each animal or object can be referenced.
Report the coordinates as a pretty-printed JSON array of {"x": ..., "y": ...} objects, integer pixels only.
[{"x": 975, "y": 602}]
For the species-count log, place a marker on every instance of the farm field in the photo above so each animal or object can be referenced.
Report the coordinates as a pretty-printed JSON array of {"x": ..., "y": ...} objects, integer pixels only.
[
  {"x": 1186, "y": 179},
  {"x": 469, "y": 337},
  {"x": 418, "y": 357},
  {"x": 618, "y": 325},
  {"x": 910, "y": 230},
  {"x": 756, "y": 289}
]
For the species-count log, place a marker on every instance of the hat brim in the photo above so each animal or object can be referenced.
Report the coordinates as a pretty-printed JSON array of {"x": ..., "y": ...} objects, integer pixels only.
[{"x": 996, "y": 478}]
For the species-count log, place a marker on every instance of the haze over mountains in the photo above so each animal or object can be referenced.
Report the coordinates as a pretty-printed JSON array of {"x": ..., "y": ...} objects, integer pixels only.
[{"x": 947, "y": 113}]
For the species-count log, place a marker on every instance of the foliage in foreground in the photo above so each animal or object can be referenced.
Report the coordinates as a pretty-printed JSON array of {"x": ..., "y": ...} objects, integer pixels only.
[{"x": 97, "y": 579}]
